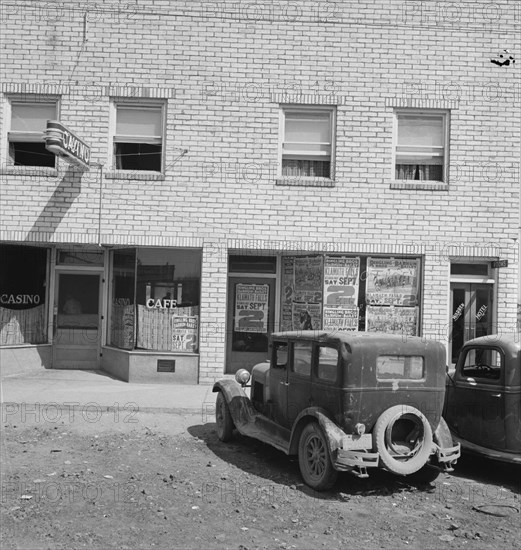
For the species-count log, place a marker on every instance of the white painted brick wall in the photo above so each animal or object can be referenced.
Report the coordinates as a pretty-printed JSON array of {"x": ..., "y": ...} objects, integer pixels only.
[{"x": 222, "y": 65}]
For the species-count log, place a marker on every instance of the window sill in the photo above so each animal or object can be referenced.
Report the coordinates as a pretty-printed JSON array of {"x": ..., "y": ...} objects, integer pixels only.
[
  {"x": 305, "y": 182},
  {"x": 142, "y": 175},
  {"x": 40, "y": 171},
  {"x": 424, "y": 185}
]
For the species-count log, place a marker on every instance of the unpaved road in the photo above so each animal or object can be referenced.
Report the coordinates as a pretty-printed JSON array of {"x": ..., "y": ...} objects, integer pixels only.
[{"x": 165, "y": 481}]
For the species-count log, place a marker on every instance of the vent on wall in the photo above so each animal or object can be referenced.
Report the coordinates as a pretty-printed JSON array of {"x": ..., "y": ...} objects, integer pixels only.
[{"x": 165, "y": 365}]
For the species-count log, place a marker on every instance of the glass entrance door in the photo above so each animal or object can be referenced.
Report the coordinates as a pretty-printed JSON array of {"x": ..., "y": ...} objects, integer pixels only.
[
  {"x": 250, "y": 319},
  {"x": 471, "y": 314},
  {"x": 76, "y": 341}
]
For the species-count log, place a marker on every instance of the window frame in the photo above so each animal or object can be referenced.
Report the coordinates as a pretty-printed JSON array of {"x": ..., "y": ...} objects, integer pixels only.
[
  {"x": 309, "y": 344},
  {"x": 445, "y": 114},
  {"x": 301, "y": 109},
  {"x": 487, "y": 381},
  {"x": 6, "y": 160},
  {"x": 316, "y": 363},
  {"x": 136, "y": 104}
]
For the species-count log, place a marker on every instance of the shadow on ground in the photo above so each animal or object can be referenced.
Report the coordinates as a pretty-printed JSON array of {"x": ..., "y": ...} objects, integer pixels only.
[{"x": 262, "y": 460}]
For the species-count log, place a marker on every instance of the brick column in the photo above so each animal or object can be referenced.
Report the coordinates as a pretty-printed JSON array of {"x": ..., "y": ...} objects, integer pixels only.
[{"x": 213, "y": 310}]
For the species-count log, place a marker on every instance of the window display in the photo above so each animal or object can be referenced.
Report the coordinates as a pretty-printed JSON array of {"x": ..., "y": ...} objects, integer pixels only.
[
  {"x": 342, "y": 293},
  {"x": 22, "y": 295},
  {"x": 156, "y": 299}
]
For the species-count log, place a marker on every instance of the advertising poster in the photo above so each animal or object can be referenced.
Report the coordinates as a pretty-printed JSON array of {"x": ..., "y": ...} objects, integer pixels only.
[
  {"x": 286, "y": 301},
  {"x": 308, "y": 279},
  {"x": 341, "y": 280},
  {"x": 392, "y": 281},
  {"x": 184, "y": 333},
  {"x": 398, "y": 320},
  {"x": 307, "y": 316},
  {"x": 340, "y": 318},
  {"x": 251, "y": 308}
]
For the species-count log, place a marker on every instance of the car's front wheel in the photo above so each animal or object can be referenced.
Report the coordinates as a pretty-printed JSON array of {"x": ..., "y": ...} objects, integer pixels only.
[
  {"x": 223, "y": 418},
  {"x": 313, "y": 457}
]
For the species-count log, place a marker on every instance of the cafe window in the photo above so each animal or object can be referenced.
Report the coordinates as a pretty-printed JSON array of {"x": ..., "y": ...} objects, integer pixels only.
[
  {"x": 156, "y": 299},
  {"x": 23, "y": 295},
  {"x": 421, "y": 145},
  {"x": 307, "y": 142},
  {"x": 25, "y": 137},
  {"x": 138, "y": 136}
]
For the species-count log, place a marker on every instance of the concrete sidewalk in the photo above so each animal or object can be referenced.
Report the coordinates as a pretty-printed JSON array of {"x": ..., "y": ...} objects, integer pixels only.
[{"x": 78, "y": 388}]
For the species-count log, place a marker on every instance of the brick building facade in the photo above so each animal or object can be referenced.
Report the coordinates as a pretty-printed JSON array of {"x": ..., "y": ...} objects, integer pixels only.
[{"x": 254, "y": 166}]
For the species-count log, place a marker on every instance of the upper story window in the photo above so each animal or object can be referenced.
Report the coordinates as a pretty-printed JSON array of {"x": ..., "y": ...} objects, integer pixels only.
[
  {"x": 421, "y": 145},
  {"x": 138, "y": 136},
  {"x": 25, "y": 137},
  {"x": 307, "y": 142}
]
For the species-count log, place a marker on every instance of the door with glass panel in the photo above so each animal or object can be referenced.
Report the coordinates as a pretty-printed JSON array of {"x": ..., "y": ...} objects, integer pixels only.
[
  {"x": 471, "y": 314},
  {"x": 76, "y": 334}
]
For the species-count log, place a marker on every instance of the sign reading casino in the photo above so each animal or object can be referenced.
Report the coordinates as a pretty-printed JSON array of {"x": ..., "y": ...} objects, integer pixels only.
[{"x": 63, "y": 143}]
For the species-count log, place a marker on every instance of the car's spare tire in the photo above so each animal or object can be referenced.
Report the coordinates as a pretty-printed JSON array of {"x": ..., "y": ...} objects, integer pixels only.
[{"x": 403, "y": 438}]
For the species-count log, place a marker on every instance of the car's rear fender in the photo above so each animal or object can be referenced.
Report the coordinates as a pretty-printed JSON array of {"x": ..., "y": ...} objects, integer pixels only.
[{"x": 316, "y": 414}]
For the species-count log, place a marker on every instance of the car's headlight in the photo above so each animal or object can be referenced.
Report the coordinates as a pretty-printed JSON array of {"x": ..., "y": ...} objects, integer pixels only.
[{"x": 242, "y": 377}]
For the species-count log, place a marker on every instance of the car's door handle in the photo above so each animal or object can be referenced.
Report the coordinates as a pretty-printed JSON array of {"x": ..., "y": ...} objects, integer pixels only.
[
  {"x": 285, "y": 383},
  {"x": 495, "y": 395}
]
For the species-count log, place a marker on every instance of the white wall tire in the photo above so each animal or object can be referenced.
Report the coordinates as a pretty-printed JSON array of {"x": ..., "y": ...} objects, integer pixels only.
[
  {"x": 403, "y": 438},
  {"x": 223, "y": 418},
  {"x": 313, "y": 457}
]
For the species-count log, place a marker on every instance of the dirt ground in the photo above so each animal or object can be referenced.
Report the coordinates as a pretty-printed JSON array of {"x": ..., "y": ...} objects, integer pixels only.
[{"x": 143, "y": 480}]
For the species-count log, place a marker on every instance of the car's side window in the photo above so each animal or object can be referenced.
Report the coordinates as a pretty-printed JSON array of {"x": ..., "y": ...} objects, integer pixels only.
[
  {"x": 327, "y": 363},
  {"x": 302, "y": 353},
  {"x": 484, "y": 364},
  {"x": 281, "y": 355}
]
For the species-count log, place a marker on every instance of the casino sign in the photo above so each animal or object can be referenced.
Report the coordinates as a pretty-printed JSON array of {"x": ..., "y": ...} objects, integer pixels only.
[{"x": 66, "y": 145}]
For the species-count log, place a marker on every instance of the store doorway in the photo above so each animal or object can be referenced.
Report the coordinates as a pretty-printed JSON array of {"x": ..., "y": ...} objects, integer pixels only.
[
  {"x": 77, "y": 320},
  {"x": 471, "y": 314},
  {"x": 250, "y": 321}
]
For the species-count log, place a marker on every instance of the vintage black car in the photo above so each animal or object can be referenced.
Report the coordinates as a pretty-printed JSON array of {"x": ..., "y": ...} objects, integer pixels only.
[
  {"x": 345, "y": 401},
  {"x": 483, "y": 397}
]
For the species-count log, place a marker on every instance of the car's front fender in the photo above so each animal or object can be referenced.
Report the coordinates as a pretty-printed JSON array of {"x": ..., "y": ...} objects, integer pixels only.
[{"x": 239, "y": 403}]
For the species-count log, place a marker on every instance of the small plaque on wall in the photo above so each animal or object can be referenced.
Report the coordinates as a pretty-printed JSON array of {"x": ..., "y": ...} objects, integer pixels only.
[{"x": 165, "y": 365}]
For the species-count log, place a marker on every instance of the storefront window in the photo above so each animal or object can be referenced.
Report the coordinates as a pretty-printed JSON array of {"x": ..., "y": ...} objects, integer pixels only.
[
  {"x": 156, "y": 299},
  {"x": 22, "y": 295},
  {"x": 349, "y": 293}
]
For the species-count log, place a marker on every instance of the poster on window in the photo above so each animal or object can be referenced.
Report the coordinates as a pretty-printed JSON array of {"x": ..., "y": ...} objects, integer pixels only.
[
  {"x": 251, "y": 308},
  {"x": 307, "y": 316},
  {"x": 286, "y": 301},
  {"x": 340, "y": 318},
  {"x": 184, "y": 333},
  {"x": 398, "y": 320},
  {"x": 392, "y": 281},
  {"x": 308, "y": 283},
  {"x": 341, "y": 277}
]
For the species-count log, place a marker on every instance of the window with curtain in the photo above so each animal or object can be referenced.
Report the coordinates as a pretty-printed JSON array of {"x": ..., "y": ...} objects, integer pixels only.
[
  {"x": 138, "y": 139},
  {"x": 307, "y": 142},
  {"x": 421, "y": 146},
  {"x": 28, "y": 122},
  {"x": 156, "y": 299}
]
